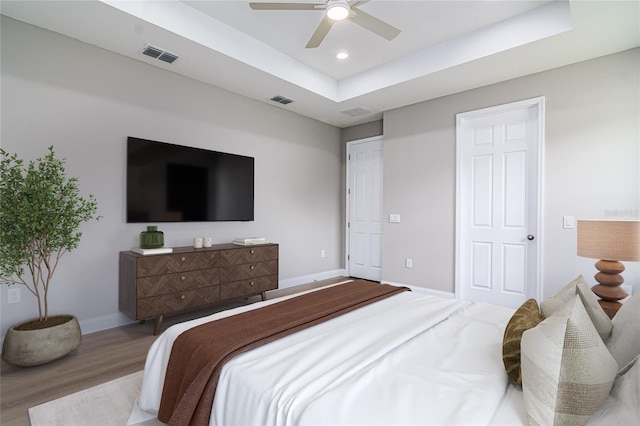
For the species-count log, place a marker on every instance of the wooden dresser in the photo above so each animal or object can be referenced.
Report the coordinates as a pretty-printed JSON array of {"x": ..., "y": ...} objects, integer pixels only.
[{"x": 155, "y": 286}]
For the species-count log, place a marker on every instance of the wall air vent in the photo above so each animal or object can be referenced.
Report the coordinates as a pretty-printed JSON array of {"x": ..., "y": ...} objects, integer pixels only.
[
  {"x": 354, "y": 112},
  {"x": 157, "y": 53},
  {"x": 281, "y": 100}
]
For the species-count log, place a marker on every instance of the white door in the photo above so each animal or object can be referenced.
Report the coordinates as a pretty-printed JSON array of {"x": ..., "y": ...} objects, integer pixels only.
[
  {"x": 499, "y": 155},
  {"x": 364, "y": 208}
]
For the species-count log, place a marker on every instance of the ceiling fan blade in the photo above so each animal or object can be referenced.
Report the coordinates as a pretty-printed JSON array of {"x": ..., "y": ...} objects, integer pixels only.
[
  {"x": 320, "y": 33},
  {"x": 356, "y": 3},
  {"x": 373, "y": 24},
  {"x": 285, "y": 6}
]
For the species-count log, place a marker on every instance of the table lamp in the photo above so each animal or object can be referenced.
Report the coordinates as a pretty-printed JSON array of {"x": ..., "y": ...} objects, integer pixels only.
[{"x": 610, "y": 241}]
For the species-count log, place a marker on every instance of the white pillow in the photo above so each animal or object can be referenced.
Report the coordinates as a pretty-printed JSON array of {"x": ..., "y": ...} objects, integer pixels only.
[
  {"x": 567, "y": 371},
  {"x": 579, "y": 286},
  {"x": 623, "y": 405},
  {"x": 624, "y": 343}
]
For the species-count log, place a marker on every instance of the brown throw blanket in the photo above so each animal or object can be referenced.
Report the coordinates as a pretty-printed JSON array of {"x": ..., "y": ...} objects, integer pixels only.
[{"x": 198, "y": 354}]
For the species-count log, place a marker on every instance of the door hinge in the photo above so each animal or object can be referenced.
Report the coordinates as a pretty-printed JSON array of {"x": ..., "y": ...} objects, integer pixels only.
[{"x": 348, "y": 257}]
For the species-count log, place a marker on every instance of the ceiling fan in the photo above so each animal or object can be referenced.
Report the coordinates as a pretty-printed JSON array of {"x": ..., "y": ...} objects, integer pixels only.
[{"x": 335, "y": 10}]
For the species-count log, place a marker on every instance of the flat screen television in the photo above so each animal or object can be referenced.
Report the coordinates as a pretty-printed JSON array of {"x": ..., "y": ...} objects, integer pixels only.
[{"x": 174, "y": 183}]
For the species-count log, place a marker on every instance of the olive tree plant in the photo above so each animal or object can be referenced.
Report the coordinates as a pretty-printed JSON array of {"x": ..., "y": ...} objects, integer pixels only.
[{"x": 40, "y": 215}]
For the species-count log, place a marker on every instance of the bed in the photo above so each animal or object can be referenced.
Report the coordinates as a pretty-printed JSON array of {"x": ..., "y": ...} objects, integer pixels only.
[{"x": 407, "y": 359}]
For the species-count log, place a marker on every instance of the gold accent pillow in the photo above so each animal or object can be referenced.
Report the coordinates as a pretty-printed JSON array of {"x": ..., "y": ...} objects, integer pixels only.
[{"x": 526, "y": 316}]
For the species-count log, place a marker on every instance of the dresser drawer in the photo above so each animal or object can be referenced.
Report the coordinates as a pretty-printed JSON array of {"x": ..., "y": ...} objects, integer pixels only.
[
  {"x": 248, "y": 255},
  {"x": 248, "y": 287},
  {"x": 155, "y": 286},
  {"x": 248, "y": 270},
  {"x": 148, "y": 307},
  {"x": 150, "y": 266}
]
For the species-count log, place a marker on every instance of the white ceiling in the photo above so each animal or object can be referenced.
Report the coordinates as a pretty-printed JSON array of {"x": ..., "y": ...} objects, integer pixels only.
[{"x": 445, "y": 46}]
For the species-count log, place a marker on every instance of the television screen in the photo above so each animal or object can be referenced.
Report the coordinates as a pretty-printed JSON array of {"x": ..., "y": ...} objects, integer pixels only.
[{"x": 174, "y": 183}]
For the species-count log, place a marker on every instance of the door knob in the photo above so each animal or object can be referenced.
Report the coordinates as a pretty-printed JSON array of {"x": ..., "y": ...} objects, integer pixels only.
[{"x": 530, "y": 237}]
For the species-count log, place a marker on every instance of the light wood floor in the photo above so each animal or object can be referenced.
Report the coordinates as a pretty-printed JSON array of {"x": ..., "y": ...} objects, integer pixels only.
[{"x": 102, "y": 356}]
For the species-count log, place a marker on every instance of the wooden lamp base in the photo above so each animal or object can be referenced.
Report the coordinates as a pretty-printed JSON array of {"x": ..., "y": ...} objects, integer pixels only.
[
  {"x": 610, "y": 308},
  {"x": 608, "y": 287}
]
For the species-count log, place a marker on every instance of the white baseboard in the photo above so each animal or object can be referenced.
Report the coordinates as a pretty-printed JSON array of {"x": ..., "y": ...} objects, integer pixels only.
[
  {"x": 104, "y": 322},
  {"x": 424, "y": 290},
  {"x": 305, "y": 279}
]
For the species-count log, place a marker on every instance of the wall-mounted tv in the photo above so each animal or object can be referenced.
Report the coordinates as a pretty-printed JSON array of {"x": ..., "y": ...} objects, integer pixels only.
[{"x": 174, "y": 183}]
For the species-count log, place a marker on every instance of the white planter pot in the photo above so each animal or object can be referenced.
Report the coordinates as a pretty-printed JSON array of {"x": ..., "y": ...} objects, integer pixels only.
[{"x": 27, "y": 348}]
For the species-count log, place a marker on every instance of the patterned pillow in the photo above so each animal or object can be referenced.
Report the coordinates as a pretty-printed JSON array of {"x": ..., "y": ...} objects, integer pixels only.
[
  {"x": 579, "y": 286},
  {"x": 526, "y": 316},
  {"x": 567, "y": 371},
  {"x": 624, "y": 343}
]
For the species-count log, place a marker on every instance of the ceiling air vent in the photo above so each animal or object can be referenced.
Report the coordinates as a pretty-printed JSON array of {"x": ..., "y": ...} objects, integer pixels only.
[
  {"x": 354, "y": 112},
  {"x": 157, "y": 53},
  {"x": 281, "y": 100},
  {"x": 168, "y": 57}
]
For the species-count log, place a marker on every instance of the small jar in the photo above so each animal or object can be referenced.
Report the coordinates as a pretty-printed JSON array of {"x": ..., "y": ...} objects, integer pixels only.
[{"x": 151, "y": 238}]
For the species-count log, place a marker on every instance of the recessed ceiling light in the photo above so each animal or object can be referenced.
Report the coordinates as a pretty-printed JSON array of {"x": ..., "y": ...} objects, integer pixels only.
[{"x": 342, "y": 55}]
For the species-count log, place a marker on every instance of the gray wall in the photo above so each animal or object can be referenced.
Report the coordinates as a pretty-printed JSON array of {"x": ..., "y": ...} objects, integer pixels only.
[
  {"x": 362, "y": 131},
  {"x": 86, "y": 101},
  {"x": 591, "y": 168}
]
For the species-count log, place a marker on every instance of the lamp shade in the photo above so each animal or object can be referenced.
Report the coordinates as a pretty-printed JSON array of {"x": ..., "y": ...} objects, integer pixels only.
[{"x": 609, "y": 239}]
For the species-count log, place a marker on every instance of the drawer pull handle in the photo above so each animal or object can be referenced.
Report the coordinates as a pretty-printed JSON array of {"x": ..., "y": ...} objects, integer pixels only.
[
  {"x": 183, "y": 258},
  {"x": 183, "y": 296},
  {"x": 252, "y": 251},
  {"x": 251, "y": 267},
  {"x": 183, "y": 278},
  {"x": 251, "y": 283}
]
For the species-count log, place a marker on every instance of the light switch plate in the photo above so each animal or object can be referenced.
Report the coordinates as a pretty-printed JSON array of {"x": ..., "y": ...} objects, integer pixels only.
[
  {"x": 568, "y": 222},
  {"x": 394, "y": 218}
]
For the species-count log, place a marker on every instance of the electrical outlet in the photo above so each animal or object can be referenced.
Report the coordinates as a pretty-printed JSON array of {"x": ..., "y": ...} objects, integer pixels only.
[
  {"x": 323, "y": 253},
  {"x": 408, "y": 263},
  {"x": 13, "y": 295}
]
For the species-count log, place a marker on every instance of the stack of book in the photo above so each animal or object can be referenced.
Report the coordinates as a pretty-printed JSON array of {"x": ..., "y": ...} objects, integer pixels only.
[
  {"x": 249, "y": 241},
  {"x": 144, "y": 251}
]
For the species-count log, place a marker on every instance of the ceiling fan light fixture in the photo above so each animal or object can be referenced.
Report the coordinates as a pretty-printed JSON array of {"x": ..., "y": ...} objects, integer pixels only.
[{"x": 337, "y": 10}]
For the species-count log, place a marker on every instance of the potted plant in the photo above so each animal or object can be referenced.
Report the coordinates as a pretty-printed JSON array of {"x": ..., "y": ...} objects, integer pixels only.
[{"x": 40, "y": 215}]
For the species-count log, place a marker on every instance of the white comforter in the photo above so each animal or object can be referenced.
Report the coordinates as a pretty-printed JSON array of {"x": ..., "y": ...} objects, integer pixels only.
[{"x": 408, "y": 359}]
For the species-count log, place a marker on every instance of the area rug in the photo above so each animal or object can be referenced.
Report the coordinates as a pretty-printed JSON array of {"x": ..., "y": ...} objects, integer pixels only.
[{"x": 107, "y": 404}]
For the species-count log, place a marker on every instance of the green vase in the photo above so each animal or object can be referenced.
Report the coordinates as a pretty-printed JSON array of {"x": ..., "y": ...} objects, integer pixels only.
[{"x": 151, "y": 238}]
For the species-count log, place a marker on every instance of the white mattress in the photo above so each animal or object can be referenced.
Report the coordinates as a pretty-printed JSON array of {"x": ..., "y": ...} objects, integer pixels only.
[{"x": 408, "y": 359}]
